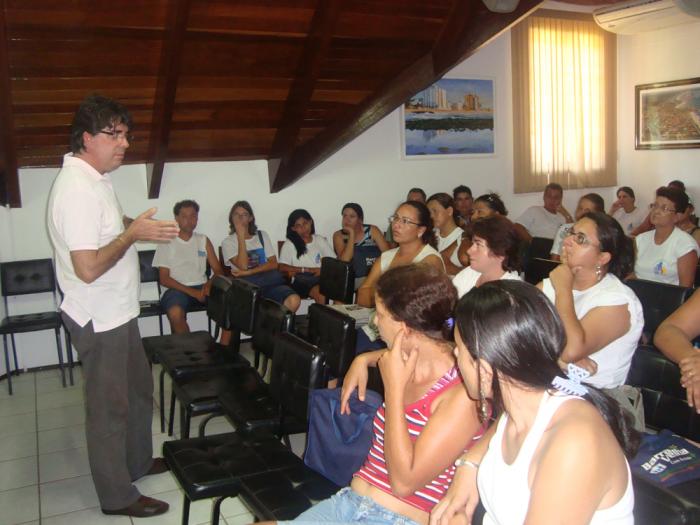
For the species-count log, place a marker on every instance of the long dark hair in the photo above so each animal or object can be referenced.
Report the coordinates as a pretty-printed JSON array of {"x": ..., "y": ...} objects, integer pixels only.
[
  {"x": 494, "y": 202},
  {"x": 293, "y": 236},
  {"x": 421, "y": 296},
  {"x": 513, "y": 327},
  {"x": 424, "y": 219},
  {"x": 613, "y": 240}
]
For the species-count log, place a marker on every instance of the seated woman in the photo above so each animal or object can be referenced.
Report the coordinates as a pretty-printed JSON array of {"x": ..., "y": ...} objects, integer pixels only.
[
  {"x": 666, "y": 254},
  {"x": 689, "y": 222},
  {"x": 493, "y": 254},
  {"x": 625, "y": 212},
  {"x": 558, "y": 451},
  {"x": 588, "y": 203},
  {"x": 301, "y": 254},
  {"x": 249, "y": 254},
  {"x": 448, "y": 234},
  {"x": 358, "y": 243},
  {"x": 412, "y": 230},
  {"x": 602, "y": 317},
  {"x": 674, "y": 338},
  {"x": 427, "y": 420}
]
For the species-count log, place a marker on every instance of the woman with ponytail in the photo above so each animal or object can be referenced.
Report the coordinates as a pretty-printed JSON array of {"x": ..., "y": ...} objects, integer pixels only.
[{"x": 557, "y": 453}]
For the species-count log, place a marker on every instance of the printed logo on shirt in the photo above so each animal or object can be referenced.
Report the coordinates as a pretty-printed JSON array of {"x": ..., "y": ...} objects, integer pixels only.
[
  {"x": 318, "y": 258},
  {"x": 256, "y": 257},
  {"x": 201, "y": 253},
  {"x": 660, "y": 269}
]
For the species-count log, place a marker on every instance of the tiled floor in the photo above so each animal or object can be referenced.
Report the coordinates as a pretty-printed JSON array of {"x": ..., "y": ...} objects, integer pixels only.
[{"x": 44, "y": 471}]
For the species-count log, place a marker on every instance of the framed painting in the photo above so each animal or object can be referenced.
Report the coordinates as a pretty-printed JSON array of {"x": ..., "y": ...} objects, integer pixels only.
[
  {"x": 454, "y": 117},
  {"x": 667, "y": 115}
]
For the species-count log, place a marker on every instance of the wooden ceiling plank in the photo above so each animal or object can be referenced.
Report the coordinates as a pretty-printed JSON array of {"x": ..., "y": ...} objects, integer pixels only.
[
  {"x": 169, "y": 72},
  {"x": 9, "y": 172},
  {"x": 457, "y": 32},
  {"x": 316, "y": 49}
]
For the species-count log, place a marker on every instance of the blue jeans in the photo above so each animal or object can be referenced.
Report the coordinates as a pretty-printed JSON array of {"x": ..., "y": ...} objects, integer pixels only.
[{"x": 346, "y": 506}]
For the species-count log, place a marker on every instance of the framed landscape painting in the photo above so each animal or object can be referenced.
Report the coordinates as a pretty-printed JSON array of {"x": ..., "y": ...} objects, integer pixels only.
[
  {"x": 667, "y": 114},
  {"x": 452, "y": 117}
]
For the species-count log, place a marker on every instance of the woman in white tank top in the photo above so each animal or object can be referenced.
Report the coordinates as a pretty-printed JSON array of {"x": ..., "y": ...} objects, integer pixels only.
[{"x": 557, "y": 452}]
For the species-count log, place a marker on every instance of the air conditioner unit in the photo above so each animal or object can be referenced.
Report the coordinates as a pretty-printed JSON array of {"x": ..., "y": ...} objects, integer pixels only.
[{"x": 637, "y": 16}]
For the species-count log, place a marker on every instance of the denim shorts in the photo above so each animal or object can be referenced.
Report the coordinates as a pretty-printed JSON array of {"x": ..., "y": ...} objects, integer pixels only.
[
  {"x": 173, "y": 297},
  {"x": 347, "y": 506}
]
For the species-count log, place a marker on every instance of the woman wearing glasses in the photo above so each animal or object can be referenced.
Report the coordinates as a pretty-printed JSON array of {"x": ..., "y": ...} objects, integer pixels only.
[
  {"x": 412, "y": 229},
  {"x": 602, "y": 316},
  {"x": 588, "y": 203},
  {"x": 667, "y": 254}
]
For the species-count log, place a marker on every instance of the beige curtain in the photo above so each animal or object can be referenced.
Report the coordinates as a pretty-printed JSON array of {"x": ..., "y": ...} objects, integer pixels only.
[{"x": 564, "y": 109}]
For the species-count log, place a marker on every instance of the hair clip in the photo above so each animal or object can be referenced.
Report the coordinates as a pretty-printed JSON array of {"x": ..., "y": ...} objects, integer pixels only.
[
  {"x": 572, "y": 384},
  {"x": 450, "y": 322}
]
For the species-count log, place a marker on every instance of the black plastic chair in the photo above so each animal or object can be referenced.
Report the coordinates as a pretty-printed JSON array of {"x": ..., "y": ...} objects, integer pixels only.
[
  {"x": 334, "y": 333},
  {"x": 538, "y": 269},
  {"x": 677, "y": 505},
  {"x": 24, "y": 278},
  {"x": 337, "y": 280},
  {"x": 149, "y": 274},
  {"x": 659, "y": 300},
  {"x": 540, "y": 247}
]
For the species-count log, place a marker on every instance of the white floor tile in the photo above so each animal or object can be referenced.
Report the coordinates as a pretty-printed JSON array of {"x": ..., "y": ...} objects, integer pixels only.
[
  {"x": 64, "y": 464},
  {"x": 234, "y": 507},
  {"x": 19, "y": 505},
  {"x": 67, "y": 495},
  {"x": 18, "y": 473},
  {"x": 61, "y": 417},
  {"x": 61, "y": 439},
  {"x": 19, "y": 424},
  {"x": 51, "y": 381},
  {"x": 59, "y": 398},
  {"x": 18, "y": 446},
  {"x": 200, "y": 511},
  {"x": 18, "y": 404},
  {"x": 23, "y": 389},
  {"x": 150, "y": 485},
  {"x": 241, "y": 519},
  {"x": 92, "y": 516}
]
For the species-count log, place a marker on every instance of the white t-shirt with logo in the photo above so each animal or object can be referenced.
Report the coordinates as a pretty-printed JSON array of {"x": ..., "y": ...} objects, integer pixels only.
[
  {"x": 465, "y": 280},
  {"x": 540, "y": 223},
  {"x": 659, "y": 262},
  {"x": 186, "y": 260},
  {"x": 257, "y": 253},
  {"x": 629, "y": 221},
  {"x": 316, "y": 250}
]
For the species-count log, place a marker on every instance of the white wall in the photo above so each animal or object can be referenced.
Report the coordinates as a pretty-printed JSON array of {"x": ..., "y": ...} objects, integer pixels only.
[
  {"x": 656, "y": 56},
  {"x": 369, "y": 171}
]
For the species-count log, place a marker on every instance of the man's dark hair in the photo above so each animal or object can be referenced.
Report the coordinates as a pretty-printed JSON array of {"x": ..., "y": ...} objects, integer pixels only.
[
  {"x": 94, "y": 114},
  {"x": 417, "y": 190},
  {"x": 187, "y": 203},
  {"x": 461, "y": 189},
  {"x": 554, "y": 186}
]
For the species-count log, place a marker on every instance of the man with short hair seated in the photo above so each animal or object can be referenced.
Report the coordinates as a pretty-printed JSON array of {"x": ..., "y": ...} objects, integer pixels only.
[
  {"x": 544, "y": 221},
  {"x": 182, "y": 266}
]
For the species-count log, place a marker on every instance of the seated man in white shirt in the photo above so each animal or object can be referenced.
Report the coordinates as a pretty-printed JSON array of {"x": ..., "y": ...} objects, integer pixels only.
[
  {"x": 182, "y": 267},
  {"x": 544, "y": 221}
]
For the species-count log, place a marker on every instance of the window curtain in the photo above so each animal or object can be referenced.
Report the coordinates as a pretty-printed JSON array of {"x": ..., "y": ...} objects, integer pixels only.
[{"x": 564, "y": 102}]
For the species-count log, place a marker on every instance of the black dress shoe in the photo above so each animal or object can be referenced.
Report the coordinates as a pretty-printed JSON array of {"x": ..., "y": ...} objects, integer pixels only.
[{"x": 144, "y": 507}]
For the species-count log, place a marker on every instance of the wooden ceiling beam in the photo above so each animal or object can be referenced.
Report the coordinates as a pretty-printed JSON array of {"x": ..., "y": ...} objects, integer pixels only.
[
  {"x": 9, "y": 172},
  {"x": 166, "y": 90},
  {"x": 462, "y": 34},
  {"x": 315, "y": 51}
]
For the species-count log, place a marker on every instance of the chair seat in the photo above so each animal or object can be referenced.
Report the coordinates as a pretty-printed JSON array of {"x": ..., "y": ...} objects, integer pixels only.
[
  {"x": 285, "y": 493},
  {"x": 161, "y": 344},
  {"x": 202, "y": 394},
  {"x": 213, "y": 466},
  {"x": 181, "y": 362},
  {"x": 30, "y": 322},
  {"x": 677, "y": 505},
  {"x": 251, "y": 413},
  {"x": 150, "y": 309}
]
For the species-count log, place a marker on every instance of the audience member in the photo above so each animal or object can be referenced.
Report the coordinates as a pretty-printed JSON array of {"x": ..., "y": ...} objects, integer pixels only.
[
  {"x": 463, "y": 199},
  {"x": 625, "y": 212},
  {"x": 646, "y": 223},
  {"x": 588, "y": 203},
  {"x": 493, "y": 254},
  {"x": 484, "y": 206},
  {"x": 357, "y": 242},
  {"x": 667, "y": 254},
  {"x": 412, "y": 228},
  {"x": 544, "y": 221},
  {"x": 250, "y": 255},
  {"x": 182, "y": 267},
  {"x": 557, "y": 452},
  {"x": 674, "y": 338},
  {"x": 689, "y": 222},
  {"x": 602, "y": 316},
  {"x": 301, "y": 254},
  {"x": 448, "y": 234},
  {"x": 426, "y": 421},
  {"x": 414, "y": 194}
]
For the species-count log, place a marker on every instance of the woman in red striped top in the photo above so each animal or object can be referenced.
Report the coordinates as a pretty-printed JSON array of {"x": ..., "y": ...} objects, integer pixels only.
[{"x": 427, "y": 420}]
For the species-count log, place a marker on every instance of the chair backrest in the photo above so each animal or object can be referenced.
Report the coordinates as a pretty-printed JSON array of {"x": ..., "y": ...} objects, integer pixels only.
[
  {"x": 540, "y": 247},
  {"x": 337, "y": 279},
  {"x": 242, "y": 305},
  {"x": 27, "y": 277},
  {"x": 218, "y": 301},
  {"x": 271, "y": 319},
  {"x": 297, "y": 368},
  {"x": 149, "y": 273},
  {"x": 659, "y": 300},
  {"x": 665, "y": 404},
  {"x": 334, "y": 333},
  {"x": 538, "y": 269},
  {"x": 654, "y": 504}
]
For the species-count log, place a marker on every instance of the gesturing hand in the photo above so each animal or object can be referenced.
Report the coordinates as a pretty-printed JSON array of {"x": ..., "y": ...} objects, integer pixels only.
[
  {"x": 397, "y": 366},
  {"x": 145, "y": 228}
]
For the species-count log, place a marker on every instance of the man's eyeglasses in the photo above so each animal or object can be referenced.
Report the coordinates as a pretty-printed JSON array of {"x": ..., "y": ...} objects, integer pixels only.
[
  {"x": 117, "y": 135},
  {"x": 402, "y": 220},
  {"x": 580, "y": 238},
  {"x": 662, "y": 208}
]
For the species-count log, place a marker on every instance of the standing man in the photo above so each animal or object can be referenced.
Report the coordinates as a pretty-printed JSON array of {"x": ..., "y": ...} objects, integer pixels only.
[
  {"x": 98, "y": 270},
  {"x": 464, "y": 200},
  {"x": 182, "y": 267},
  {"x": 544, "y": 221}
]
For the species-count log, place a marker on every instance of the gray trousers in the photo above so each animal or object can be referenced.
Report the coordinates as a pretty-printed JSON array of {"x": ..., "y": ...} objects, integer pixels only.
[{"x": 119, "y": 409}]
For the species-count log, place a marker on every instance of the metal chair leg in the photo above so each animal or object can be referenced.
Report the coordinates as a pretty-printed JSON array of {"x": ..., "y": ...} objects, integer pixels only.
[
  {"x": 7, "y": 364},
  {"x": 59, "y": 348},
  {"x": 171, "y": 423},
  {"x": 185, "y": 510},
  {"x": 185, "y": 417},
  {"x": 203, "y": 423},
  {"x": 14, "y": 354},
  {"x": 160, "y": 323},
  {"x": 161, "y": 399},
  {"x": 216, "y": 510}
]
